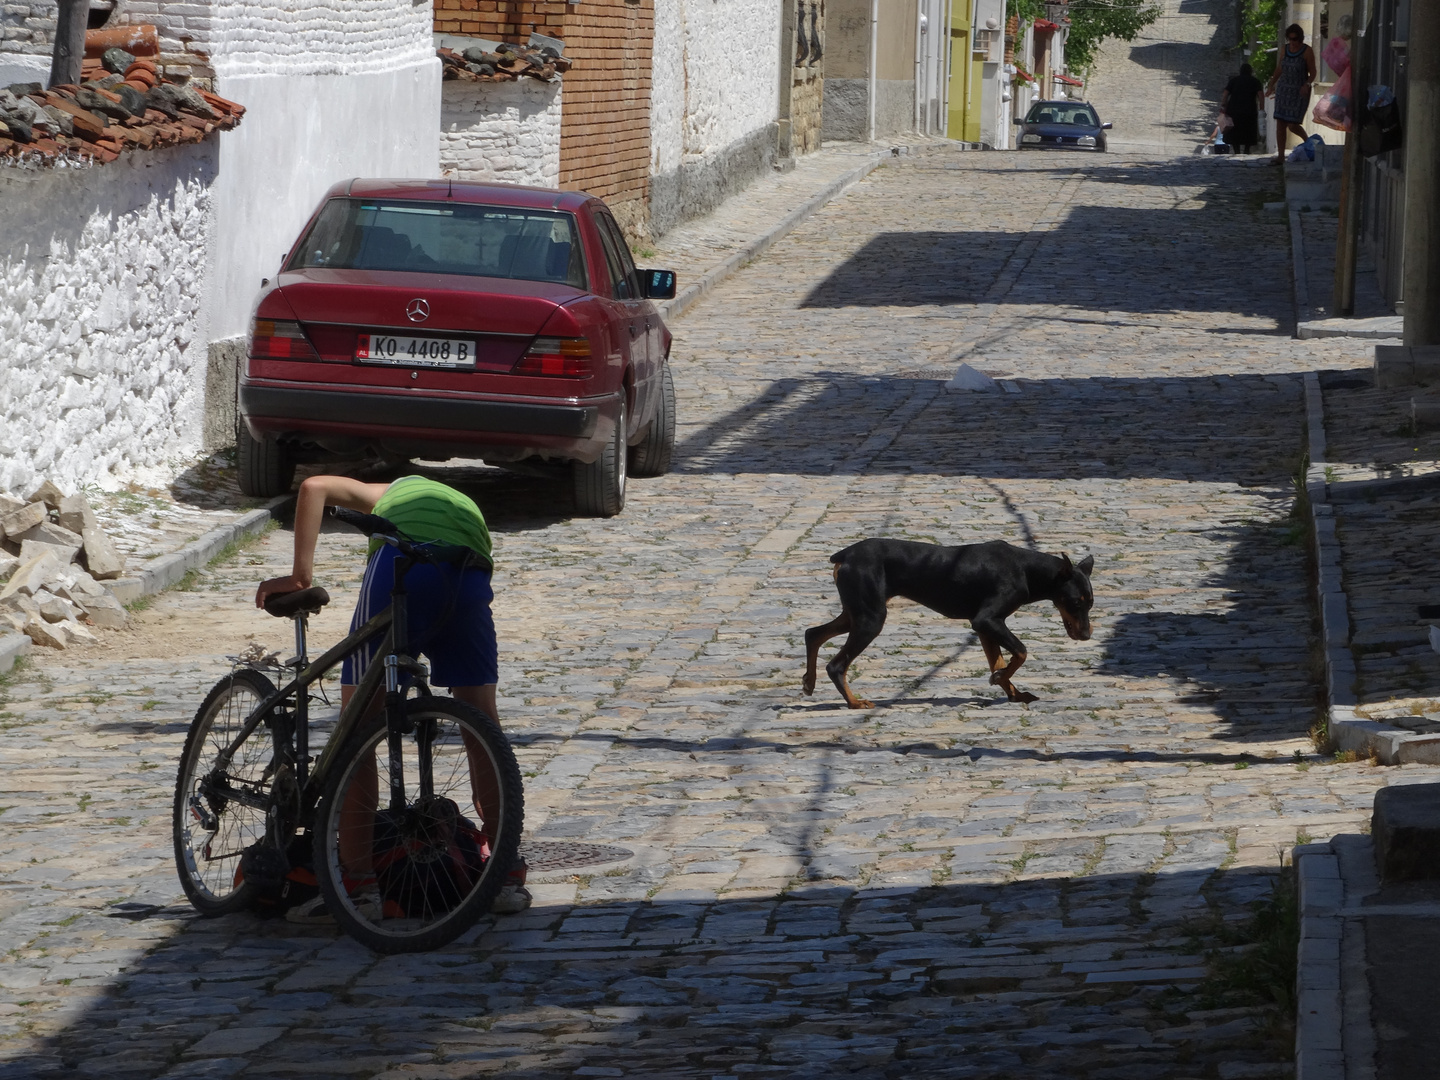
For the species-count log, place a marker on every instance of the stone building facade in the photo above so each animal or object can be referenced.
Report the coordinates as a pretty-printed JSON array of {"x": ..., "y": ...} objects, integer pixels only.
[{"x": 126, "y": 289}]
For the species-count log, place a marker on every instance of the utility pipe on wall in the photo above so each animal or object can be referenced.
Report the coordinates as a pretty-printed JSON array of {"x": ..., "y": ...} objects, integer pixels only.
[
  {"x": 874, "y": 59},
  {"x": 1352, "y": 178},
  {"x": 1422, "y": 178},
  {"x": 920, "y": 21}
]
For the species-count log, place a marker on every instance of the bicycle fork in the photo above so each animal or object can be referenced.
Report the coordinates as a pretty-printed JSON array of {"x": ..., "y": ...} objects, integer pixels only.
[{"x": 396, "y": 669}]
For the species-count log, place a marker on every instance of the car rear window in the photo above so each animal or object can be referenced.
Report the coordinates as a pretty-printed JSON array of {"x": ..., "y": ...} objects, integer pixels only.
[
  {"x": 443, "y": 238},
  {"x": 1050, "y": 112}
]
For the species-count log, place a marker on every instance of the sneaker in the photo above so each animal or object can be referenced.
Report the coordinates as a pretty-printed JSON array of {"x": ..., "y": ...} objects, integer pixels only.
[
  {"x": 512, "y": 899},
  {"x": 315, "y": 912}
]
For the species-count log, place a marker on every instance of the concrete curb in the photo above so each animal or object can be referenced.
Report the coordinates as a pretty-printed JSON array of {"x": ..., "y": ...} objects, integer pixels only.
[
  {"x": 1319, "y": 1045},
  {"x": 673, "y": 309},
  {"x": 166, "y": 571},
  {"x": 1387, "y": 744}
]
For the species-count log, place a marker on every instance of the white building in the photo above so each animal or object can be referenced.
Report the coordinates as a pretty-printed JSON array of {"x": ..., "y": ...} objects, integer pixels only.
[{"x": 126, "y": 289}]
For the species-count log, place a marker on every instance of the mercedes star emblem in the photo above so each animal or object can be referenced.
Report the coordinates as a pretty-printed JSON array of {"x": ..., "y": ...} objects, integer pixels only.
[{"x": 417, "y": 310}]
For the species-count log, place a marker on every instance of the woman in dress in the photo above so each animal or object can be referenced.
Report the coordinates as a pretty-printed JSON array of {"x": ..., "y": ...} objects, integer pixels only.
[
  {"x": 1242, "y": 102},
  {"x": 1290, "y": 85}
]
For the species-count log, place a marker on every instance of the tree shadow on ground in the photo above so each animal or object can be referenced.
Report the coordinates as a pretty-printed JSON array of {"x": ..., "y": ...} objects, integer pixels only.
[
  {"x": 1064, "y": 972},
  {"x": 1242, "y": 429},
  {"x": 1153, "y": 264}
]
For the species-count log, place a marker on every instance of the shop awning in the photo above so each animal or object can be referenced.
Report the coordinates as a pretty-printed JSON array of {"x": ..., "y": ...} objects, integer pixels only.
[{"x": 1068, "y": 81}]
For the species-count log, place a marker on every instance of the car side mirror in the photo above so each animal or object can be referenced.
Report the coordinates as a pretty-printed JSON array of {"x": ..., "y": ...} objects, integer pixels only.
[
  {"x": 1107, "y": 127},
  {"x": 1016, "y": 120},
  {"x": 658, "y": 284}
]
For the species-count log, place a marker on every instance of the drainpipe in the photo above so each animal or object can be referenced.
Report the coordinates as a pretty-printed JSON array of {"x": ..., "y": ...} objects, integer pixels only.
[
  {"x": 920, "y": 28},
  {"x": 1352, "y": 177},
  {"x": 874, "y": 60},
  {"x": 947, "y": 48}
]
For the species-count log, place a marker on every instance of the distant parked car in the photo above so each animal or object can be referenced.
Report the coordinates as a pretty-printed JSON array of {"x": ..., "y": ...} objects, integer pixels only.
[
  {"x": 431, "y": 319},
  {"x": 1062, "y": 125}
]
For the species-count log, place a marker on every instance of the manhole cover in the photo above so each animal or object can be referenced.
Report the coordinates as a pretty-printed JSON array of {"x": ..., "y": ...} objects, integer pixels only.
[{"x": 542, "y": 856}]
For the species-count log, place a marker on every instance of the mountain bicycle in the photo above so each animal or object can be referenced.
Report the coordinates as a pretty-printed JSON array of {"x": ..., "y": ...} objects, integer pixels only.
[{"x": 250, "y": 796}]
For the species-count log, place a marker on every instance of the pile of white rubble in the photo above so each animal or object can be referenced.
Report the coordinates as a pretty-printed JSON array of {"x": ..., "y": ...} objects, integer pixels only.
[{"x": 53, "y": 556}]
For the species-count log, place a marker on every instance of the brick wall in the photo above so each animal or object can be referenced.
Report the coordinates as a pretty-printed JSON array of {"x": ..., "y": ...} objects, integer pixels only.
[
  {"x": 605, "y": 120},
  {"x": 501, "y": 20},
  {"x": 605, "y": 123}
]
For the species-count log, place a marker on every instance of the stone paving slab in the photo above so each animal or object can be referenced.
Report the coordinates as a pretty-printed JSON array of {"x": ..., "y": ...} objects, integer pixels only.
[{"x": 923, "y": 888}]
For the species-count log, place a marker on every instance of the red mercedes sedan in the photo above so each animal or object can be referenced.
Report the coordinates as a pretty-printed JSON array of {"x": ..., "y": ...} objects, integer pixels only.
[{"x": 438, "y": 319}]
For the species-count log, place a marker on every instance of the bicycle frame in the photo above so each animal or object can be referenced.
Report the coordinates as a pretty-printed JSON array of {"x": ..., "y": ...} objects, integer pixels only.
[{"x": 393, "y": 624}]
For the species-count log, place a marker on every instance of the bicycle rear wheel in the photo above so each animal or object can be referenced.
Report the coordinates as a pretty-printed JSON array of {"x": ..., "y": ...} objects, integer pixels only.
[
  {"x": 438, "y": 865},
  {"x": 212, "y": 826}
]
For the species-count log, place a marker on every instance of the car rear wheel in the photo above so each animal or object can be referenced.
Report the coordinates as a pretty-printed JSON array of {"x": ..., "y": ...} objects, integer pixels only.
[
  {"x": 266, "y": 470},
  {"x": 600, "y": 485},
  {"x": 651, "y": 456}
]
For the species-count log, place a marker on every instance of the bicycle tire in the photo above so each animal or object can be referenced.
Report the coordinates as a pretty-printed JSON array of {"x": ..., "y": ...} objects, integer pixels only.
[
  {"x": 210, "y": 879},
  {"x": 424, "y": 833}
]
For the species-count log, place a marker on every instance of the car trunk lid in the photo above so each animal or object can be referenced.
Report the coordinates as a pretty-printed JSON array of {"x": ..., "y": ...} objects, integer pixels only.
[{"x": 343, "y": 310}]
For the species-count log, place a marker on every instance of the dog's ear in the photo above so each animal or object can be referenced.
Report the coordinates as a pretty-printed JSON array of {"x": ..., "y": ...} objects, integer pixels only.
[
  {"x": 1087, "y": 564},
  {"x": 1069, "y": 569}
]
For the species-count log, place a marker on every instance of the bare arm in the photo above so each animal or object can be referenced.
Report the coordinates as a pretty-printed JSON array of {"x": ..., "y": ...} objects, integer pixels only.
[
  {"x": 1310, "y": 62},
  {"x": 316, "y": 493}
]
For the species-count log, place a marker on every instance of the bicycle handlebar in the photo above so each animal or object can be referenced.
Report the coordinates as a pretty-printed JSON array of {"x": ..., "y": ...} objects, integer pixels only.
[
  {"x": 375, "y": 526},
  {"x": 370, "y": 524}
]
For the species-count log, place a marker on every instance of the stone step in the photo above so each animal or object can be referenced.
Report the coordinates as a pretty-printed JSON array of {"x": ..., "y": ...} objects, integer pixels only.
[{"x": 1406, "y": 830}]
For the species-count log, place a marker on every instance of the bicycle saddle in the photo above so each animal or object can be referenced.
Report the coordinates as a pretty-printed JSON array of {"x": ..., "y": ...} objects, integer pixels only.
[{"x": 300, "y": 602}]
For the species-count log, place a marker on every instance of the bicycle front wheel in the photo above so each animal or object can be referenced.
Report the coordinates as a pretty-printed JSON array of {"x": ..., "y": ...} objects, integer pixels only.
[
  {"x": 218, "y": 811},
  {"x": 437, "y": 860}
]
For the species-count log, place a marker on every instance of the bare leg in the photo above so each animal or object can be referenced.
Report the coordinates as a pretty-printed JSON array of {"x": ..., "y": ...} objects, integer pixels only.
[
  {"x": 357, "y": 812},
  {"x": 814, "y": 638},
  {"x": 484, "y": 787}
]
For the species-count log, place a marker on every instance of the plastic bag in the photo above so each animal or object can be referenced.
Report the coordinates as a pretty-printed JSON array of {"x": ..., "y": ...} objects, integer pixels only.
[
  {"x": 1306, "y": 150},
  {"x": 1333, "y": 109},
  {"x": 1337, "y": 55}
]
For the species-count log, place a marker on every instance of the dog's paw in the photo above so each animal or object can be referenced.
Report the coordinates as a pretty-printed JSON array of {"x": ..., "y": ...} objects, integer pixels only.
[
  {"x": 808, "y": 685},
  {"x": 861, "y": 703},
  {"x": 1023, "y": 698}
]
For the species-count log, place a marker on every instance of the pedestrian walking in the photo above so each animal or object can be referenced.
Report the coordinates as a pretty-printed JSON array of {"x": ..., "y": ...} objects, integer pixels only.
[
  {"x": 1290, "y": 86},
  {"x": 1243, "y": 100}
]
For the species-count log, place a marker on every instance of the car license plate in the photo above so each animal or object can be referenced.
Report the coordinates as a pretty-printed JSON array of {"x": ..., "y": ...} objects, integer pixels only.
[{"x": 414, "y": 351}]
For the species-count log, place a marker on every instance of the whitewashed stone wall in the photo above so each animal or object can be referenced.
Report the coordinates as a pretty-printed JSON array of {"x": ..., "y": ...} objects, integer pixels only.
[
  {"x": 714, "y": 100},
  {"x": 134, "y": 279},
  {"x": 506, "y": 131},
  {"x": 27, "y": 36},
  {"x": 102, "y": 348}
]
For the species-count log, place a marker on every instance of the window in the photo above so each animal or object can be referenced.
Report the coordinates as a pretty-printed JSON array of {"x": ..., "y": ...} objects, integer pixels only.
[
  {"x": 443, "y": 238},
  {"x": 1060, "y": 112},
  {"x": 623, "y": 274}
]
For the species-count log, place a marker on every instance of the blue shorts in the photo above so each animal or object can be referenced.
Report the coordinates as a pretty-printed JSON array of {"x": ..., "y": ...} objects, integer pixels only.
[{"x": 450, "y": 621}]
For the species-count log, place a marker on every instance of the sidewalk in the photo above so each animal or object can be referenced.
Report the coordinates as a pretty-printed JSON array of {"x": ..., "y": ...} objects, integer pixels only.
[
  {"x": 1312, "y": 237},
  {"x": 1368, "y": 949},
  {"x": 165, "y": 533}
]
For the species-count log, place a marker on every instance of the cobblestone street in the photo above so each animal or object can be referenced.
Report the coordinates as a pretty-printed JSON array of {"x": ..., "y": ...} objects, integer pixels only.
[{"x": 948, "y": 885}]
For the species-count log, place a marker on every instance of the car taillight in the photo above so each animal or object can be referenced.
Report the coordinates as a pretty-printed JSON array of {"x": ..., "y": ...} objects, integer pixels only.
[
  {"x": 556, "y": 356},
  {"x": 279, "y": 339}
]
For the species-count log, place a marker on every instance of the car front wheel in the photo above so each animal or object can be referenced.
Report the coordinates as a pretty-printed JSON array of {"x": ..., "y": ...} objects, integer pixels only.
[
  {"x": 266, "y": 470},
  {"x": 600, "y": 485}
]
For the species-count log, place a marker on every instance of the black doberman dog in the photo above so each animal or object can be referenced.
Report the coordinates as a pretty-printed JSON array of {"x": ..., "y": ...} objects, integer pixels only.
[{"x": 984, "y": 583}]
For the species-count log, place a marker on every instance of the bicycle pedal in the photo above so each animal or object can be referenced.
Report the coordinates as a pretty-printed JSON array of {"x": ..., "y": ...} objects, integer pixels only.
[{"x": 264, "y": 866}]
